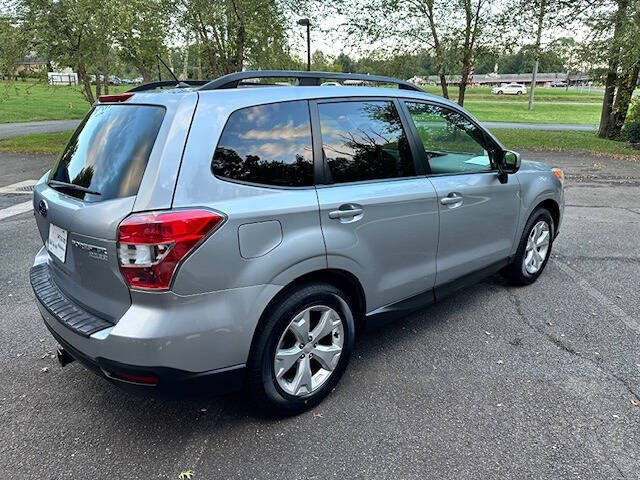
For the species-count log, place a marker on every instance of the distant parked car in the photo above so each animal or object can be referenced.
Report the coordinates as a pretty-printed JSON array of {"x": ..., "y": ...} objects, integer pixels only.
[
  {"x": 331, "y": 84},
  {"x": 558, "y": 84},
  {"x": 126, "y": 81},
  {"x": 138, "y": 80},
  {"x": 509, "y": 89}
]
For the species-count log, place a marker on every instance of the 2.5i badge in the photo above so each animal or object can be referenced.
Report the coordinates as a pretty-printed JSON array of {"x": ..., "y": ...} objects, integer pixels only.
[{"x": 99, "y": 253}]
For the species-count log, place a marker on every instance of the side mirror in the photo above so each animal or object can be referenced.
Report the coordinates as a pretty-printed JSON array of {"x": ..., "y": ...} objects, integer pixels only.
[{"x": 510, "y": 161}]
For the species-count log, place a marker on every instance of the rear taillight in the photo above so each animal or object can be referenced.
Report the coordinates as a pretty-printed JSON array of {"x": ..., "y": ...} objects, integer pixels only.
[{"x": 152, "y": 245}]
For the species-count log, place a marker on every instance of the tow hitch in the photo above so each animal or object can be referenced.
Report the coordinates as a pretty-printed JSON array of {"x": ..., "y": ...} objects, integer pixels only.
[{"x": 63, "y": 357}]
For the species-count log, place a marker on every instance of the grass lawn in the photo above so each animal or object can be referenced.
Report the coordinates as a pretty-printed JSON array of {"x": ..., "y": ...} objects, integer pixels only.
[
  {"x": 31, "y": 101},
  {"x": 543, "y": 112},
  {"x": 53, "y": 143},
  {"x": 563, "y": 141},
  {"x": 541, "y": 95}
]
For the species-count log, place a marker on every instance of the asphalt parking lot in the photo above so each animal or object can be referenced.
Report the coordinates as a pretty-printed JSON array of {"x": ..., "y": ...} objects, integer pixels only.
[{"x": 495, "y": 382}]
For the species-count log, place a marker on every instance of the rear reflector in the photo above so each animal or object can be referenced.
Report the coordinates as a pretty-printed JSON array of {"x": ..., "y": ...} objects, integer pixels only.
[
  {"x": 135, "y": 378},
  {"x": 152, "y": 245},
  {"x": 117, "y": 97}
]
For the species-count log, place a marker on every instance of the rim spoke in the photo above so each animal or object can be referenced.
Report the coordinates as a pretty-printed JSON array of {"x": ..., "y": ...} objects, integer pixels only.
[
  {"x": 300, "y": 327},
  {"x": 303, "y": 377},
  {"x": 285, "y": 359},
  {"x": 536, "y": 231},
  {"x": 325, "y": 326},
  {"x": 543, "y": 239},
  {"x": 326, "y": 355},
  {"x": 537, "y": 257}
]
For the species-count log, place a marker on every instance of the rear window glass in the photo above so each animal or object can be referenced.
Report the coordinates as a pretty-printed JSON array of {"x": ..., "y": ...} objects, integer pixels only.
[
  {"x": 267, "y": 144},
  {"x": 109, "y": 151}
]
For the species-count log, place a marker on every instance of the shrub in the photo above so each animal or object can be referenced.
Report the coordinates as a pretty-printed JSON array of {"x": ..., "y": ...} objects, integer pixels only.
[
  {"x": 631, "y": 131},
  {"x": 634, "y": 111}
]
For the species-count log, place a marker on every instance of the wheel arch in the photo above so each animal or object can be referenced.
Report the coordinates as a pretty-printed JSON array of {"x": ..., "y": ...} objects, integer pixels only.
[
  {"x": 554, "y": 208},
  {"x": 345, "y": 281}
]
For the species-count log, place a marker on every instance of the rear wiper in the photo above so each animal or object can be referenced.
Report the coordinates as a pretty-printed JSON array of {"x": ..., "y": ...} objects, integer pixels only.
[{"x": 71, "y": 186}]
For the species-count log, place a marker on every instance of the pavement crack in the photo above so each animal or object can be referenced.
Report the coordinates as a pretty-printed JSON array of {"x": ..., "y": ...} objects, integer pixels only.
[{"x": 567, "y": 348}]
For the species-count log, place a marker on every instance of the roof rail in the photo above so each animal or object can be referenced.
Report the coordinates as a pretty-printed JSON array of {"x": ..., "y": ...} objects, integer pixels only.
[
  {"x": 303, "y": 78},
  {"x": 168, "y": 83}
]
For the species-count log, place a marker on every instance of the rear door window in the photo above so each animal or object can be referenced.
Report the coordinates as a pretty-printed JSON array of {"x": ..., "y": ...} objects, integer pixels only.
[
  {"x": 109, "y": 151},
  {"x": 267, "y": 144},
  {"x": 364, "y": 140}
]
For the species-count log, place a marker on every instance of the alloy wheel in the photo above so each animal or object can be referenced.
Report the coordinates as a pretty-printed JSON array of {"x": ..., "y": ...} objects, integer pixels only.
[
  {"x": 537, "y": 247},
  {"x": 309, "y": 350}
]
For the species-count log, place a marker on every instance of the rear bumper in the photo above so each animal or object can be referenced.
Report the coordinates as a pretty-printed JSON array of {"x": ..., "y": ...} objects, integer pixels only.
[
  {"x": 199, "y": 341},
  {"x": 171, "y": 383}
]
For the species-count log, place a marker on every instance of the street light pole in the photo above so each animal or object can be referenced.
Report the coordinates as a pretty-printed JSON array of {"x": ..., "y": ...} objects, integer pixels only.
[{"x": 305, "y": 22}]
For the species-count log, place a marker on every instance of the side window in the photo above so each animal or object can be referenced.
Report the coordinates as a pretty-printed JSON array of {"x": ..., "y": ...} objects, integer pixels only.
[
  {"x": 364, "y": 141},
  {"x": 267, "y": 144},
  {"x": 451, "y": 142}
]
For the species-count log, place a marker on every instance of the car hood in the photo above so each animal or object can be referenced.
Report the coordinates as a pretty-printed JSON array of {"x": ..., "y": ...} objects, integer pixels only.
[{"x": 530, "y": 165}]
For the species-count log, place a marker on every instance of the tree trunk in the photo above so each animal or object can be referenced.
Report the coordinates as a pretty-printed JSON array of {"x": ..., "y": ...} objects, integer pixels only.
[
  {"x": 538, "y": 41},
  {"x": 466, "y": 69},
  {"x": 438, "y": 49},
  {"x": 466, "y": 56},
  {"x": 106, "y": 81},
  {"x": 626, "y": 84},
  {"x": 82, "y": 73},
  {"x": 240, "y": 48},
  {"x": 185, "y": 65},
  {"x": 612, "y": 71},
  {"x": 443, "y": 85},
  {"x": 609, "y": 94},
  {"x": 98, "y": 85}
]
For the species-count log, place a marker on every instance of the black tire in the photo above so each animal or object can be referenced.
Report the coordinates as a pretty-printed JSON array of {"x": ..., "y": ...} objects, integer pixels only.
[
  {"x": 516, "y": 273},
  {"x": 266, "y": 394}
]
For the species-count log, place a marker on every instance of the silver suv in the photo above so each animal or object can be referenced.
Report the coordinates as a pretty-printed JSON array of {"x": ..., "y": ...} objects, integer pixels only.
[{"x": 221, "y": 236}]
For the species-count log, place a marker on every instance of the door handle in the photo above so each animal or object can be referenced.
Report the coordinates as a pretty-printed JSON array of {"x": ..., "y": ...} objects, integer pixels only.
[
  {"x": 347, "y": 212},
  {"x": 451, "y": 199}
]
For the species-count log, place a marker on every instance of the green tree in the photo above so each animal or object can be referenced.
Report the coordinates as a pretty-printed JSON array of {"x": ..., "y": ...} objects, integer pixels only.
[
  {"x": 68, "y": 32},
  {"x": 233, "y": 33},
  {"x": 617, "y": 29},
  {"x": 442, "y": 26},
  {"x": 13, "y": 45},
  {"x": 141, "y": 32}
]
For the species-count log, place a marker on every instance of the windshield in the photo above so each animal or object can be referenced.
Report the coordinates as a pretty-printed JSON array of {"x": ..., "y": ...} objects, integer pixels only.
[{"x": 108, "y": 152}]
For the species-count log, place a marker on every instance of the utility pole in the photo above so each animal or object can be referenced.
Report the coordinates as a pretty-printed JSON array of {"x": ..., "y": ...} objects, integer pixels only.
[
  {"x": 306, "y": 23},
  {"x": 535, "y": 65}
]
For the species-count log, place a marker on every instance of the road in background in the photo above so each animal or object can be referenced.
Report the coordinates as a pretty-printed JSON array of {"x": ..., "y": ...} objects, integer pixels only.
[
  {"x": 495, "y": 383},
  {"x": 25, "y": 128}
]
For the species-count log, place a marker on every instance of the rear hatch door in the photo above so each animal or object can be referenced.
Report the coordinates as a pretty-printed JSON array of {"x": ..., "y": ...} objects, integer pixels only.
[{"x": 91, "y": 188}]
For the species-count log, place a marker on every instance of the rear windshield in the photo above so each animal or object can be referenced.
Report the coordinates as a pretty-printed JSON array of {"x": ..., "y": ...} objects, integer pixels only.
[{"x": 109, "y": 151}]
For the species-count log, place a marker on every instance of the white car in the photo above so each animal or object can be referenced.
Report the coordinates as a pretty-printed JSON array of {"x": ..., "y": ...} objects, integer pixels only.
[{"x": 509, "y": 89}]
